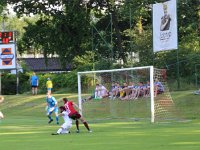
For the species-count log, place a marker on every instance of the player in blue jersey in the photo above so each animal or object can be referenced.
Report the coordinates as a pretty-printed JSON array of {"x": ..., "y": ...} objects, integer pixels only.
[
  {"x": 52, "y": 106},
  {"x": 34, "y": 83}
]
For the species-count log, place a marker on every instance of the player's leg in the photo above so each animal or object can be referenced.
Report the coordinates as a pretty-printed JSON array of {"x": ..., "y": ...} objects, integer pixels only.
[
  {"x": 77, "y": 126},
  {"x": 66, "y": 128},
  {"x": 33, "y": 89},
  {"x": 61, "y": 130},
  {"x": 1, "y": 115},
  {"x": 36, "y": 90},
  {"x": 56, "y": 113},
  {"x": 85, "y": 123},
  {"x": 49, "y": 113}
]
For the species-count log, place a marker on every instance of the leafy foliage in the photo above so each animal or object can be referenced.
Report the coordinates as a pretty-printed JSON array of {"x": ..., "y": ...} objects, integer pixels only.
[{"x": 95, "y": 31}]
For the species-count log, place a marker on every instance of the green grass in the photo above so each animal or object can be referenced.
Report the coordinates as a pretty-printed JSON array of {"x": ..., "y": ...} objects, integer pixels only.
[{"x": 25, "y": 127}]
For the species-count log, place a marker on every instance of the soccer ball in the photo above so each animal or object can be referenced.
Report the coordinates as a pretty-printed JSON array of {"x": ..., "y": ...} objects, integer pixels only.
[{"x": 1, "y": 115}]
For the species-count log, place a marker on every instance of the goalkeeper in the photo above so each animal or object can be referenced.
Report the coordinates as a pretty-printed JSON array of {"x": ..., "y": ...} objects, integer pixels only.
[{"x": 52, "y": 106}]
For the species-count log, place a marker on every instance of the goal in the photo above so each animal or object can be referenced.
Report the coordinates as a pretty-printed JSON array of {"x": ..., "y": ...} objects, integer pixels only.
[{"x": 127, "y": 101}]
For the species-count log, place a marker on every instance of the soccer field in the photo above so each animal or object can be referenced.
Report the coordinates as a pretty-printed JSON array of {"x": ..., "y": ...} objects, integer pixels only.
[{"x": 25, "y": 127}]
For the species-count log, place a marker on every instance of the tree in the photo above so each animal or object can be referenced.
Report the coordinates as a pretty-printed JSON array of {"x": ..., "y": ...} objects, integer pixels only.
[
  {"x": 61, "y": 28},
  {"x": 119, "y": 28},
  {"x": 2, "y": 5}
]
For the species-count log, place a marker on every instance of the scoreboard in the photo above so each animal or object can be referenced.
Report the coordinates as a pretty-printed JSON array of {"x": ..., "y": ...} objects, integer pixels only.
[
  {"x": 6, "y": 37},
  {"x": 7, "y": 50}
]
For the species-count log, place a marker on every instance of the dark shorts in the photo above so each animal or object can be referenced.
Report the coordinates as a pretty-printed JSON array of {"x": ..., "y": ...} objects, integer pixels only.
[
  {"x": 34, "y": 86},
  {"x": 75, "y": 116},
  {"x": 160, "y": 92}
]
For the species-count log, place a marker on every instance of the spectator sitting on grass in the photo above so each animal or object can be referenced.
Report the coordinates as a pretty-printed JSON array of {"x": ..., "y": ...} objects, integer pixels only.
[
  {"x": 100, "y": 92},
  {"x": 159, "y": 88}
]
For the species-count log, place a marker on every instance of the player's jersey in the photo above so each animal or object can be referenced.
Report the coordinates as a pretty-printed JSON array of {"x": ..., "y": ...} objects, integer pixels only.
[
  {"x": 66, "y": 117},
  {"x": 49, "y": 84},
  {"x": 34, "y": 80},
  {"x": 51, "y": 101},
  {"x": 70, "y": 108}
]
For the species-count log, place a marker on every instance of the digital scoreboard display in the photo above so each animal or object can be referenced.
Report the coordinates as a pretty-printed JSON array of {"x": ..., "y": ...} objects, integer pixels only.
[{"x": 6, "y": 37}]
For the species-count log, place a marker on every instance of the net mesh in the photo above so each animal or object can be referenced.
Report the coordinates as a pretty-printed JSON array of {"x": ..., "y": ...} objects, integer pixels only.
[
  {"x": 164, "y": 106},
  {"x": 113, "y": 106}
]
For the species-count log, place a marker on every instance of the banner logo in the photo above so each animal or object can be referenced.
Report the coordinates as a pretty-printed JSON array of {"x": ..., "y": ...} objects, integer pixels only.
[
  {"x": 6, "y": 56},
  {"x": 165, "y": 26}
]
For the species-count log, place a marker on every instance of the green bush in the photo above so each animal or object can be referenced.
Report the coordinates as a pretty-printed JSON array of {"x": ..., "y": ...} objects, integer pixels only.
[
  {"x": 72, "y": 81},
  {"x": 9, "y": 83},
  {"x": 67, "y": 80}
]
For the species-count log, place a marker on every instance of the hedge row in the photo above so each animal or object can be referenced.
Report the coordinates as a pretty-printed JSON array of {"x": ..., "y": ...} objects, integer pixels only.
[{"x": 66, "y": 81}]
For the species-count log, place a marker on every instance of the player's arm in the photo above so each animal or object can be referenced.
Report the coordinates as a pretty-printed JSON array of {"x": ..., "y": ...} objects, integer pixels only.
[
  {"x": 30, "y": 80},
  {"x": 56, "y": 104},
  {"x": 74, "y": 104},
  {"x": 37, "y": 81},
  {"x": 60, "y": 114},
  {"x": 47, "y": 106}
]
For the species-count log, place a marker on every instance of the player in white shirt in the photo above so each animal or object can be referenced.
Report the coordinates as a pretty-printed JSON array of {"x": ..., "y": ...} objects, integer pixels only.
[
  {"x": 64, "y": 129},
  {"x": 1, "y": 114}
]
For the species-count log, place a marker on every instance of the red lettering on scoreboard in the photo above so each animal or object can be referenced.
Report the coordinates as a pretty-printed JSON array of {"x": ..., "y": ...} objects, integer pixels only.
[{"x": 6, "y": 37}]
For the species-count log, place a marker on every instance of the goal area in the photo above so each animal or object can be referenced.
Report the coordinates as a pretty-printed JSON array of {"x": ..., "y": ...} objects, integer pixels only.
[{"x": 132, "y": 93}]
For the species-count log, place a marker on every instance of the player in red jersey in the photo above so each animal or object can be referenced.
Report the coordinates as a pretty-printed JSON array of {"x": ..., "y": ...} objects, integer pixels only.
[{"x": 73, "y": 114}]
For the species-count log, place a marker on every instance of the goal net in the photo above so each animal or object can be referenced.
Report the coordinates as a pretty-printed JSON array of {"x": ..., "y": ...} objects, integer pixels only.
[{"x": 135, "y": 93}]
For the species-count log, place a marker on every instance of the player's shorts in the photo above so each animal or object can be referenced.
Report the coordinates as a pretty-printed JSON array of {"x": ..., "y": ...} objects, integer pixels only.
[
  {"x": 49, "y": 89},
  {"x": 49, "y": 110},
  {"x": 66, "y": 125},
  {"x": 75, "y": 116},
  {"x": 34, "y": 86}
]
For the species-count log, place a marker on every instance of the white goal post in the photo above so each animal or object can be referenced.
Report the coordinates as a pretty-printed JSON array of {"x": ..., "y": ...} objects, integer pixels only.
[{"x": 151, "y": 79}]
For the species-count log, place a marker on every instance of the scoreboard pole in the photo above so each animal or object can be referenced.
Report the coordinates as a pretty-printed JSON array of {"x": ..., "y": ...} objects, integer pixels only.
[
  {"x": 0, "y": 82},
  {"x": 3, "y": 26}
]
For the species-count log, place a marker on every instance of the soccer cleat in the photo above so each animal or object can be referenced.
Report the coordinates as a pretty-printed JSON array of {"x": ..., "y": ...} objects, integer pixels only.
[
  {"x": 50, "y": 121},
  {"x": 57, "y": 122},
  {"x": 83, "y": 100},
  {"x": 90, "y": 131},
  {"x": 77, "y": 131},
  {"x": 54, "y": 134}
]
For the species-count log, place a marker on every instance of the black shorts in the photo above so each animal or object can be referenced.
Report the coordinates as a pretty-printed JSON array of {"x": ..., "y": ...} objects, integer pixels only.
[
  {"x": 34, "y": 86},
  {"x": 75, "y": 116},
  {"x": 160, "y": 92}
]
